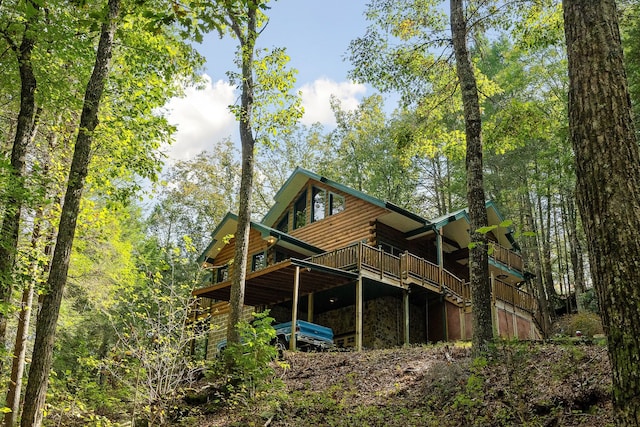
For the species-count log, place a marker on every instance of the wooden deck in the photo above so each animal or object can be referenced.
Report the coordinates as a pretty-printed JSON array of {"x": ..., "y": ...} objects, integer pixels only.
[
  {"x": 408, "y": 269},
  {"x": 274, "y": 283}
]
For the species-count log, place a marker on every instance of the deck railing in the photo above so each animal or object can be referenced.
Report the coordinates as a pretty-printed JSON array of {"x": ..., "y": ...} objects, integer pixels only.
[
  {"x": 457, "y": 285},
  {"x": 408, "y": 267},
  {"x": 514, "y": 296},
  {"x": 507, "y": 257},
  {"x": 415, "y": 269},
  {"x": 344, "y": 258},
  {"x": 420, "y": 269}
]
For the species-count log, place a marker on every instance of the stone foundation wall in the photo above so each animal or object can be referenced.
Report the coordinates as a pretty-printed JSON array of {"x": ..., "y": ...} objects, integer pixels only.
[
  {"x": 218, "y": 325},
  {"x": 383, "y": 323}
]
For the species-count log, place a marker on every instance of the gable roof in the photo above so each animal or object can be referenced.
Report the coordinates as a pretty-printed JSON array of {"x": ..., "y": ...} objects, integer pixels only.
[
  {"x": 413, "y": 225},
  {"x": 398, "y": 217},
  {"x": 228, "y": 226}
]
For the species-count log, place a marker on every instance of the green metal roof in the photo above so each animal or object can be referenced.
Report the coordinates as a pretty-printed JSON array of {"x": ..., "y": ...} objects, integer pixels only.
[
  {"x": 299, "y": 178},
  {"x": 229, "y": 221}
]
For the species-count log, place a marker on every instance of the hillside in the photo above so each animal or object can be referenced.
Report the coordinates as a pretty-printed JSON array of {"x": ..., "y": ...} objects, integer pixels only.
[{"x": 535, "y": 384}]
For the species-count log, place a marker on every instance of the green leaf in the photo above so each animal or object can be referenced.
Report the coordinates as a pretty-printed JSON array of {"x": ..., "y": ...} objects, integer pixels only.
[
  {"x": 506, "y": 223},
  {"x": 485, "y": 230},
  {"x": 5, "y": 410}
]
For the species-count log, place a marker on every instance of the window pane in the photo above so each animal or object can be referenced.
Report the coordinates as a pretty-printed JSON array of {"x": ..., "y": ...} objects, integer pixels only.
[
  {"x": 300, "y": 211},
  {"x": 259, "y": 261},
  {"x": 336, "y": 204},
  {"x": 283, "y": 225},
  {"x": 319, "y": 204},
  {"x": 223, "y": 274}
]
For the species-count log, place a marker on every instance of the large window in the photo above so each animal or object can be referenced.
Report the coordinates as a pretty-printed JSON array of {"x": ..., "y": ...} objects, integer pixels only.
[
  {"x": 258, "y": 261},
  {"x": 336, "y": 203},
  {"x": 283, "y": 225},
  {"x": 318, "y": 204},
  {"x": 300, "y": 211},
  {"x": 222, "y": 274},
  {"x": 323, "y": 204}
]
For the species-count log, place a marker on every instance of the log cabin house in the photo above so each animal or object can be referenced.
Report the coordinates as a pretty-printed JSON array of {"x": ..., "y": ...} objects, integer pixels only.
[{"x": 377, "y": 274}]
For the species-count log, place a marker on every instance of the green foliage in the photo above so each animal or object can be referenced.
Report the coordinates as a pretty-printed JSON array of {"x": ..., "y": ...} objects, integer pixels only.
[
  {"x": 246, "y": 367},
  {"x": 590, "y": 301},
  {"x": 588, "y": 323}
]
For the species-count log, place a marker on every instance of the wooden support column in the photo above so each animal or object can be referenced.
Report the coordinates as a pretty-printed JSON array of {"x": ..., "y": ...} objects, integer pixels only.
[
  {"x": 405, "y": 312},
  {"x": 463, "y": 324},
  {"x": 494, "y": 309},
  {"x": 359, "y": 300},
  {"x": 294, "y": 310},
  {"x": 440, "y": 256},
  {"x": 359, "y": 313},
  {"x": 445, "y": 325},
  {"x": 514, "y": 316},
  {"x": 310, "y": 307}
]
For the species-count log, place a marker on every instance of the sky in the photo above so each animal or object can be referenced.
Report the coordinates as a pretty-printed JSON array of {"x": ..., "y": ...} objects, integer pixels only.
[{"x": 316, "y": 35}]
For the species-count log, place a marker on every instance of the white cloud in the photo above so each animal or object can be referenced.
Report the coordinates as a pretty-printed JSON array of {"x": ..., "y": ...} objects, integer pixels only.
[
  {"x": 316, "y": 99},
  {"x": 202, "y": 117}
]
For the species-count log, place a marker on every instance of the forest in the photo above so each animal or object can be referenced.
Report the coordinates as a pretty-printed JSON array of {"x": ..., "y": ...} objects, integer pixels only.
[{"x": 100, "y": 233}]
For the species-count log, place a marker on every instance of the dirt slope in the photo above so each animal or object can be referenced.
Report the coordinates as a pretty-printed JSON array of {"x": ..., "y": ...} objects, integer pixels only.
[{"x": 518, "y": 384}]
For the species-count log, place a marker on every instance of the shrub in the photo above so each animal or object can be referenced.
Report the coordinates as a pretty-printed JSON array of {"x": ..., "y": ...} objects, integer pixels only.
[{"x": 586, "y": 322}]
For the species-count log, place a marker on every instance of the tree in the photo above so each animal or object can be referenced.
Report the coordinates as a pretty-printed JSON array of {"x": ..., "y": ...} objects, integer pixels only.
[
  {"x": 423, "y": 77},
  {"x": 264, "y": 82},
  {"x": 45, "y": 330},
  {"x": 9, "y": 231},
  {"x": 478, "y": 255},
  {"x": 608, "y": 185},
  {"x": 366, "y": 156}
]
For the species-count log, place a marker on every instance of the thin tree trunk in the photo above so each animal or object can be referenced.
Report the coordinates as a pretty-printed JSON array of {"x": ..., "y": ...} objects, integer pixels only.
[
  {"x": 543, "y": 301},
  {"x": 24, "y": 320},
  {"x": 24, "y": 133},
  {"x": 545, "y": 258},
  {"x": 478, "y": 257},
  {"x": 46, "y": 326},
  {"x": 247, "y": 46},
  {"x": 608, "y": 186},
  {"x": 575, "y": 250}
]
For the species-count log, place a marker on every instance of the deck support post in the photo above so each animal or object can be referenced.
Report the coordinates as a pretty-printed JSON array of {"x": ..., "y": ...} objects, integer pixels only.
[
  {"x": 494, "y": 309},
  {"x": 310, "y": 307},
  {"x": 359, "y": 313},
  {"x": 405, "y": 312},
  {"x": 440, "y": 257},
  {"x": 294, "y": 309}
]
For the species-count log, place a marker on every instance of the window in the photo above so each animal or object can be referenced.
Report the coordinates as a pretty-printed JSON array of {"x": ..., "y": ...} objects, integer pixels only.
[
  {"x": 336, "y": 204},
  {"x": 258, "y": 261},
  {"x": 283, "y": 225},
  {"x": 318, "y": 206},
  {"x": 390, "y": 249},
  {"x": 300, "y": 211},
  {"x": 222, "y": 274},
  {"x": 280, "y": 256}
]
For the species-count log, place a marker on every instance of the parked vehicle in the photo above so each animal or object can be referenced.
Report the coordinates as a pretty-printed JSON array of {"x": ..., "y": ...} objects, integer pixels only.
[{"x": 309, "y": 336}]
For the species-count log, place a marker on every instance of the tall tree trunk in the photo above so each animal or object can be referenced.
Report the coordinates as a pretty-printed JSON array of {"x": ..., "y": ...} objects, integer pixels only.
[
  {"x": 543, "y": 301},
  {"x": 575, "y": 249},
  {"x": 24, "y": 320},
  {"x": 545, "y": 255},
  {"x": 608, "y": 186},
  {"x": 46, "y": 326},
  {"x": 247, "y": 46},
  {"x": 478, "y": 257},
  {"x": 15, "y": 190}
]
